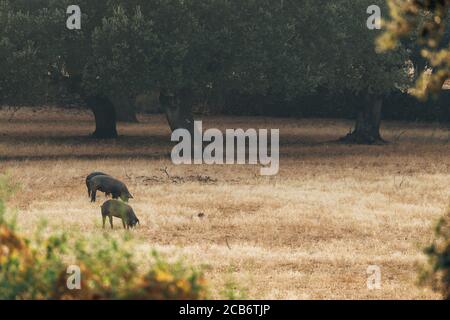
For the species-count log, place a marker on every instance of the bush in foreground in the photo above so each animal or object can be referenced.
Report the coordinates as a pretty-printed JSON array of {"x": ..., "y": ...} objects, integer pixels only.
[{"x": 436, "y": 273}]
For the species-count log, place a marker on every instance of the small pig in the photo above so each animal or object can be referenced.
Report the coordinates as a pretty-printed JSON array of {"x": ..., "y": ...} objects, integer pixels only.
[
  {"x": 118, "y": 209},
  {"x": 109, "y": 185},
  {"x": 90, "y": 176}
]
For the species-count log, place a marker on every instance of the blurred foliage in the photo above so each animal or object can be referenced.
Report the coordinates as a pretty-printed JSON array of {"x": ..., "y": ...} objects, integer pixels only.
[
  {"x": 232, "y": 290},
  {"x": 427, "y": 20},
  {"x": 437, "y": 272},
  {"x": 36, "y": 268}
]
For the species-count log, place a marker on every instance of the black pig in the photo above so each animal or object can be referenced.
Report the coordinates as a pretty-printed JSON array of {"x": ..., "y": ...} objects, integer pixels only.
[
  {"x": 90, "y": 176},
  {"x": 109, "y": 185}
]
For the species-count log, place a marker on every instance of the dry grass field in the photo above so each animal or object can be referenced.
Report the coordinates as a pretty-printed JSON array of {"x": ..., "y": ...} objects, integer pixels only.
[{"x": 308, "y": 233}]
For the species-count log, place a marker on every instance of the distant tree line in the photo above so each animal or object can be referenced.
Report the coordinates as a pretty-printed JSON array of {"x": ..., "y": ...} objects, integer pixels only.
[{"x": 264, "y": 57}]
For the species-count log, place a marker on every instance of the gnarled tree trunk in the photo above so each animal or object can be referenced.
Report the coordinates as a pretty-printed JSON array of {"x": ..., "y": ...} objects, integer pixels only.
[
  {"x": 368, "y": 120},
  {"x": 105, "y": 117},
  {"x": 178, "y": 109}
]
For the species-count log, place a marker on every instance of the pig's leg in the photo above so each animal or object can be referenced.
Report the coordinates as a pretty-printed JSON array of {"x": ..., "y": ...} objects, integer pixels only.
[{"x": 93, "y": 195}]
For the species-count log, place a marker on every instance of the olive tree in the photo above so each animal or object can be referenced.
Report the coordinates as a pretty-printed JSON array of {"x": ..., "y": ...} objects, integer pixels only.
[
  {"x": 142, "y": 46},
  {"x": 357, "y": 69},
  {"x": 38, "y": 50},
  {"x": 197, "y": 52},
  {"x": 120, "y": 66}
]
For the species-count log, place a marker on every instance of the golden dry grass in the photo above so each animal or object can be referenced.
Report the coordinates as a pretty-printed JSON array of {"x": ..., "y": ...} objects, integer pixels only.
[{"x": 309, "y": 232}]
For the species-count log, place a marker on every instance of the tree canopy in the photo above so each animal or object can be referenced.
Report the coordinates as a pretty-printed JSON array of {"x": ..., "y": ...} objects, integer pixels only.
[{"x": 193, "y": 52}]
